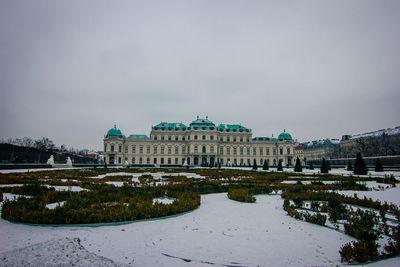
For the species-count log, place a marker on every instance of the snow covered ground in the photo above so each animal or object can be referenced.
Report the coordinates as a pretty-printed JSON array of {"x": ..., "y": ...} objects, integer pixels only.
[
  {"x": 221, "y": 232},
  {"x": 37, "y": 170},
  {"x": 389, "y": 195}
]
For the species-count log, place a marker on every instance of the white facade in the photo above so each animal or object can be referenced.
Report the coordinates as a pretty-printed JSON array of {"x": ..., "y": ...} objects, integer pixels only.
[{"x": 201, "y": 143}]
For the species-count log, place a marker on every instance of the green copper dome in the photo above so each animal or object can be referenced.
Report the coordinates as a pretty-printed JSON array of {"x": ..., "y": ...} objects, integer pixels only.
[
  {"x": 285, "y": 136},
  {"x": 114, "y": 132},
  {"x": 202, "y": 123}
]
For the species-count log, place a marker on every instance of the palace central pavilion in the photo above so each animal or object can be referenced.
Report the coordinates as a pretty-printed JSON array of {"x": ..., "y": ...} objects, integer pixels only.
[{"x": 200, "y": 143}]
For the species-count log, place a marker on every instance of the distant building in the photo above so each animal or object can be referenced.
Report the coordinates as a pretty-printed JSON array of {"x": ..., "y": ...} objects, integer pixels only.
[
  {"x": 384, "y": 144},
  {"x": 298, "y": 153},
  {"x": 200, "y": 143},
  {"x": 318, "y": 149}
]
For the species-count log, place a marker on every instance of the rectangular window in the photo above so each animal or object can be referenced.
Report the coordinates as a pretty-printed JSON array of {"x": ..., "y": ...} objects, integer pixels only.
[
  {"x": 280, "y": 151},
  {"x": 183, "y": 150},
  {"x": 267, "y": 151},
  {"x": 212, "y": 149},
  {"x": 261, "y": 162},
  {"x": 212, "y": 137},
  {"x": 133, "y": 149},
  {"x": 254, "y": 151},
  {"x": 169, "y": 160},
  {"x": 176, "y": 161},
  {"x": 176, "y": 150},
  {"x": 162, "y": 150},
  {"x": 221, "y": 150},
  {"x": 162, "y": 160},
  {"x": 169, "y": 150},
  {"x": 148, "y": 160},
  {"x": 228, "y": 150},
  {"x": 141, "y": 149},
  {"x": 241, "y": 151},
  {"x": 155, "y": 149},
  {"x": 105, "y": 148},
  {"x": 248, "y": 162},
  {"x": 274, "y": 151},
  {"x": 248, "y": 151},
  {"x": 234, "y": 151},
  {"x": 126, "y": 149},
  {"x": 148, "y": 149},
  {"x": 112, "y": 148},
  {"x": 261, "y": 151},
  {"x": 133, "y": 160},
  {"x": 195, "y": 149},
  {"x": 120, "y": 149},
  {"x": 155, "y": 161}
]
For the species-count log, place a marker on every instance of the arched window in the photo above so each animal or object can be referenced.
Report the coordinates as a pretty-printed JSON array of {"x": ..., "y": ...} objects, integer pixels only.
[
  {"x": 204, "y": 137},
  {"x": 203, "y": 150}
]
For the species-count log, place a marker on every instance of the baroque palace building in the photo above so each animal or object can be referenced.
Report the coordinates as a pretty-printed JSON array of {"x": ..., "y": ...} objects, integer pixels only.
[{"x": 201, "y": 143}]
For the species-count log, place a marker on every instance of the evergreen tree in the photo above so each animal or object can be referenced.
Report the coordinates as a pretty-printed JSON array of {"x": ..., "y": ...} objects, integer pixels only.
[
  {"x": 265, "y": 166},
  {"x": 279, "y": 169},
  {"x": 311, "y": 166},
  {"x": 254, "y": 165},
  {"x": 378, "y": 166},
  {"x": 324, "y": 167},
  {"x": 328, "y": 165},
  {"x": 349, "y": 166},
  {"x": 359, "y": 165},
  {"x": 297, "y": 167}
]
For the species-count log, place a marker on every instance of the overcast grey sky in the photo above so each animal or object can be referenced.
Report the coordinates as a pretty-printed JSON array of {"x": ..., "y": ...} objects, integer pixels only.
[{"x": 319, "y": 69}]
